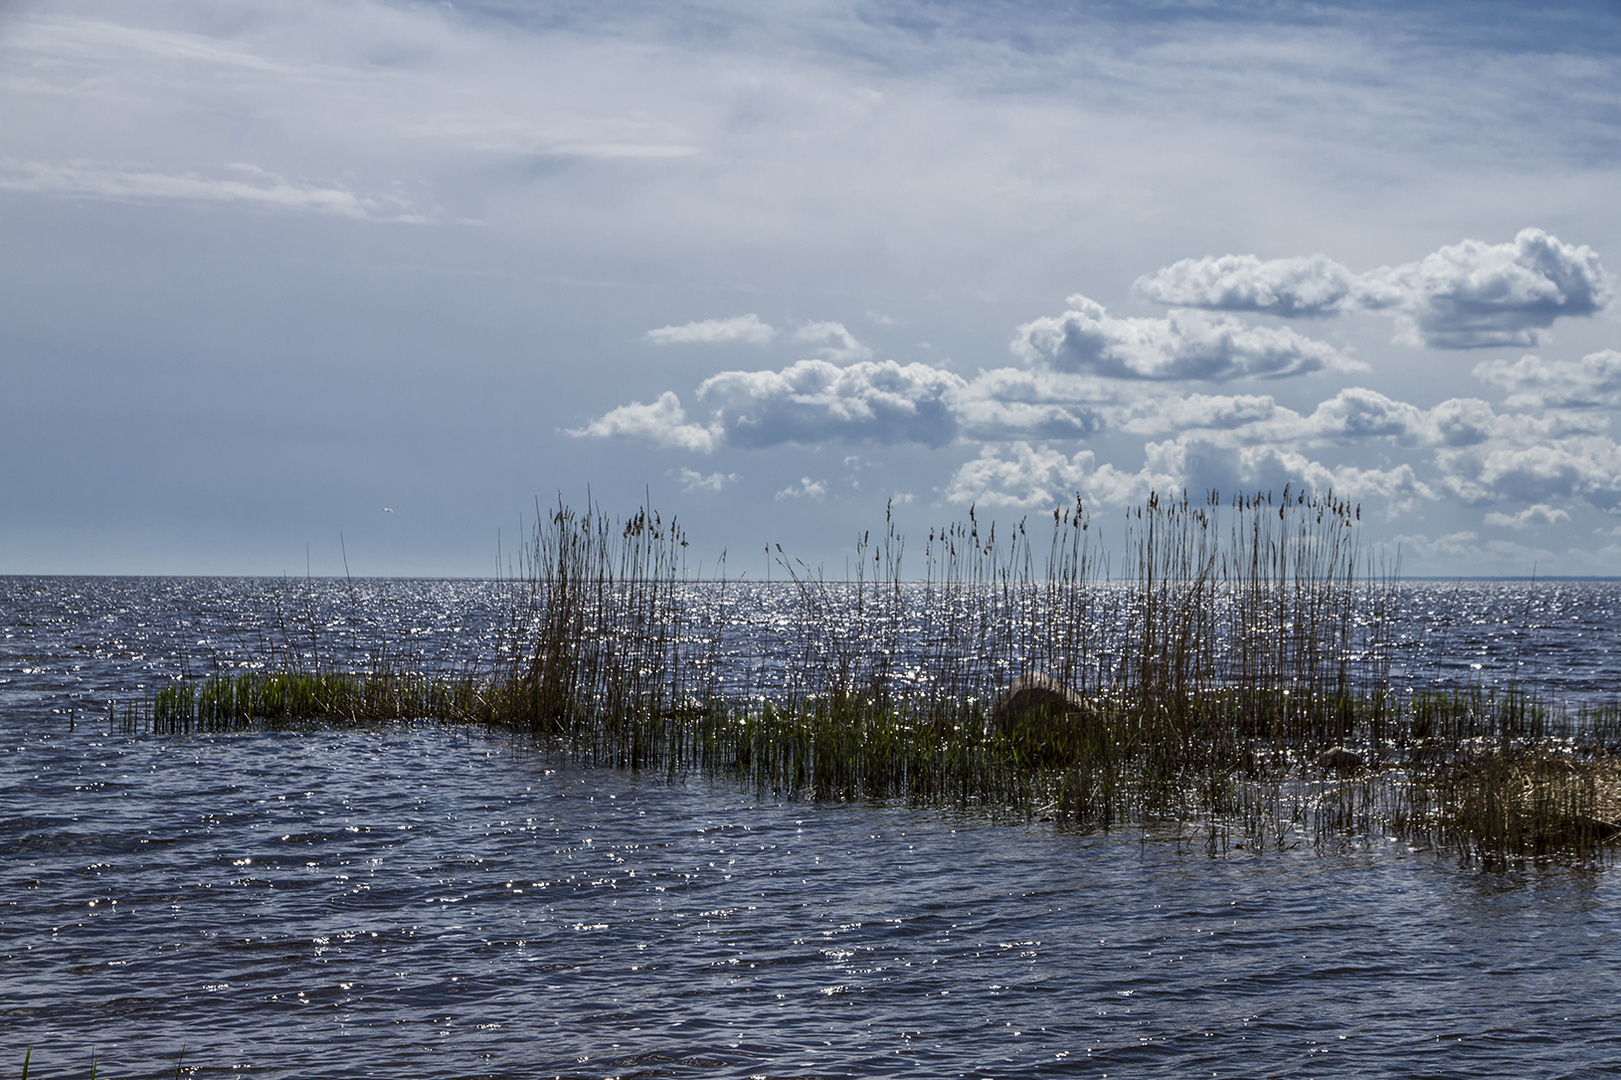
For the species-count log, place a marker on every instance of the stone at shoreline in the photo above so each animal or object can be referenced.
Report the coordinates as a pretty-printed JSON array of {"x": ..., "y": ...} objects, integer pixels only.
[
  {"x": 1036, "y": 696},
  {"x": 1339, "y": 759}
]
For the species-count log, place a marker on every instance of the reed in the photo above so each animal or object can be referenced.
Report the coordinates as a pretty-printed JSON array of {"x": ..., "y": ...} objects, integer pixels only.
[
  {"x": 95, "y": 1064},
  {"x": 1233, "y": 676}
]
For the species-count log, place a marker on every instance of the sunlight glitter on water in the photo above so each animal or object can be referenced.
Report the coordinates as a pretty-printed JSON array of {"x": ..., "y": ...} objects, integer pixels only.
[{"x": 410, "y": 901}]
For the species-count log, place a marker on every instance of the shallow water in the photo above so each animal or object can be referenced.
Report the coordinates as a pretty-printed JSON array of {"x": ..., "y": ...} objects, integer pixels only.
[{"x": 422, "y": 902}]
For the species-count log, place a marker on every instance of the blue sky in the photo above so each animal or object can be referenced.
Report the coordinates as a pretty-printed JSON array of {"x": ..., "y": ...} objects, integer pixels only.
[{"x": 276, "y": 267}]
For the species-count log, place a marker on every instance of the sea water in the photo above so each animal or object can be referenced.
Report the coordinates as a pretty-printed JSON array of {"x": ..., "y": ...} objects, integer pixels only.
[{"x": 416, "y": 901}]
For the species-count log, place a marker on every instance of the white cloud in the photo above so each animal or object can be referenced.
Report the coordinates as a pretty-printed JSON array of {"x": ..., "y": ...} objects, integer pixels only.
[
  {"x": 1314, "y": 285},
  {"x": 1357, "y": 414},
  {"x": 664, "y": 422},
  {"x": 1462, "y": 552},
  {"x": 1184, "y": 345},
  {"x": 1535, "y": 514},
  {"x": 1201, "y": 465},
  {"x": 838, "y": 344},
  {"x": 1463, "y": 296},
  {"x": 1158, "y": 415},
  {"x": 1019, "y": 475},
  {"x": 1011, "y": 403},
  {"x": 813, "y": 401},
  {"x": 1587, "y": 467},
  {"x": 805, "y": 489},
  {"x": 1475, "y": 295},
  {"x": 745, "y": 328},
  {"x": 1353, "y": 416},
  {"x": 1593, "y": 382},
  {"x": 692, "y": 480},
  {"x": 243, "y": 185}
]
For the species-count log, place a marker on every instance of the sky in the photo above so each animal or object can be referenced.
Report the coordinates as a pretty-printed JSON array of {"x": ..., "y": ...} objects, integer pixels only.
[{"x": 359, "y": 286}]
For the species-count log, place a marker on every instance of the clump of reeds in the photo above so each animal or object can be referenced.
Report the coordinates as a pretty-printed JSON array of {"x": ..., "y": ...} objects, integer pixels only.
[{"x": 1205, "y": 681}]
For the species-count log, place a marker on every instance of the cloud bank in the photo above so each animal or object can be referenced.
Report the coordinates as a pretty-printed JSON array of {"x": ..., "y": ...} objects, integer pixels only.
[
  {"x": 1464, "y": 296},
  {"x": 1086, "y": 376}
]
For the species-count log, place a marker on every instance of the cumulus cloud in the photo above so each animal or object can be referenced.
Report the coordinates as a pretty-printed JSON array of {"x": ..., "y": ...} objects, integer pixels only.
[
  {"x": 1464, "y": 296},
  {"x": 813, "y": 401},
  {"x": 1158, "y": 415},
  {"x": 838, "y": 344},
  {"x": 745, "y": 328},
  {"x": 692, "y": 480},
  {"x": 1535, "y": 514},
  {"x": 1475, "y": 295},
  {"x": 1019, "y": 475},
  {"x": 1356, "y": 414},
  {"x": 805, "y": 489},
  {"x": 1184, "y": 345},
  {"x": 1463, "y": 421},
  {"x": 1593, "y": 382},
  {"x": 1012, "y": 403},
  {"x": 1353, "y": 416},
  {"x": 1299, "y": 287},
  {"x": 1585, "y": 467},
  {"x": 1199, "y": 464},
  {"x": 664, "y": 422}
]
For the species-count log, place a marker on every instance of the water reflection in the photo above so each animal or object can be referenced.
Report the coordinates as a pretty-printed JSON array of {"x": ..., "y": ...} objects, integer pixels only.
[{"x": 414, "y": 902}]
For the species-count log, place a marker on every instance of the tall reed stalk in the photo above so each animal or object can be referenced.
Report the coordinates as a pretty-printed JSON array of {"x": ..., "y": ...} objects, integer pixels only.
[{"x": 1242, "y": 641}]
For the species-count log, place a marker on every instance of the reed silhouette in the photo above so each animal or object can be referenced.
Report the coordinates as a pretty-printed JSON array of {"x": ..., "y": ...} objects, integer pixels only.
[{"x": 1230, "y": 679}]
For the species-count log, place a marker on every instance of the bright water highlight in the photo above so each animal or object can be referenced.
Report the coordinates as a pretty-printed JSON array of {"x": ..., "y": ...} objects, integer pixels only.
[{"x": 438, "y": 903}]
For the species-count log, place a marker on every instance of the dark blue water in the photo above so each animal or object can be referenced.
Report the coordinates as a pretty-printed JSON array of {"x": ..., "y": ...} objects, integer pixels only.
[{"x": 411, "y": 902}]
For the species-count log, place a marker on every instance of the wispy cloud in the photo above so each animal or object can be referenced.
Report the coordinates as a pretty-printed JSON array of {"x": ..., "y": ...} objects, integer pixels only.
[
  {"x": 745, "y": 328},
  {"x": 244, "y": 185}
]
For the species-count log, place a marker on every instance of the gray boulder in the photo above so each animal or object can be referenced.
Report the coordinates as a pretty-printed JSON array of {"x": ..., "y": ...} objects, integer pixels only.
[
  {"x": 1339, "y": 759},
  {"x": 1036, "y": 696}
]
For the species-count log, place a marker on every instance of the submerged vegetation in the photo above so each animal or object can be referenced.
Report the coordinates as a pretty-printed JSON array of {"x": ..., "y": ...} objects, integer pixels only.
[{"x": 1233, "y": 677}]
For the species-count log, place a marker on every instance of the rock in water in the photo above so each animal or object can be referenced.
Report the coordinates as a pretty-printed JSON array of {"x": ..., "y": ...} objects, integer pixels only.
[
  {"x": 1339, "y": 759},
  {"x": 1036, "y": 696}
]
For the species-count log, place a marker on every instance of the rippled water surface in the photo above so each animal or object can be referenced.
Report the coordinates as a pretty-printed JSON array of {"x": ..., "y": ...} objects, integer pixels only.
[{"x": 409, "y": 902}]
